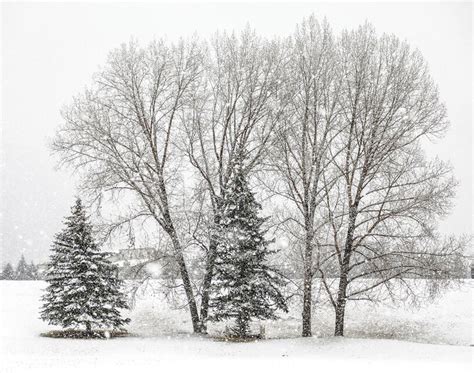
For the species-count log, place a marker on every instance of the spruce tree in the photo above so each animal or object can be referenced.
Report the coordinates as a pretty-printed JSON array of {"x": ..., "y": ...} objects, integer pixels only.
[
  {"x": 33, "y": 271},
  {"x": 245, "y": 286},
  {"x": 22, "y": 270},
  {"x": 84, "y": 291},
  {"x": 8, "y": 273}
]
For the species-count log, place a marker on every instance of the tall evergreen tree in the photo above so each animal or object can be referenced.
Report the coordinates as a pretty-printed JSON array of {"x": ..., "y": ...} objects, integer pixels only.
[
  {"x": 8, "y": 273},
  {"x": 22, "y": 270},
  {"x": 84, "y": 290},
  {"x": 245, "y": 287}
]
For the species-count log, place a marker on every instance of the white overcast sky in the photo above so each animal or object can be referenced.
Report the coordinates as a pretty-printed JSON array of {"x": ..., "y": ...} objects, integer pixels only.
[{"x": 50, "y": 51}]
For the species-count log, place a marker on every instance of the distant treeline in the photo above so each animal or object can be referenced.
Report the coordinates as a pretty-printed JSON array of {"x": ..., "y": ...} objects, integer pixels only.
[{"x": 23, "y": 271}]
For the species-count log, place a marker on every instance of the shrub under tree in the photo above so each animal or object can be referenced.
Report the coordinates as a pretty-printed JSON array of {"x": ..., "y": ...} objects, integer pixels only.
[
  {"x": 245, "y": 287},
  {"x": 84, "y": 291}
]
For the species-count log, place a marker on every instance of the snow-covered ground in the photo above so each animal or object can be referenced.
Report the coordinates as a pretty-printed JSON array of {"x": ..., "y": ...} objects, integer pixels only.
[{"x": 378, "y": 338}]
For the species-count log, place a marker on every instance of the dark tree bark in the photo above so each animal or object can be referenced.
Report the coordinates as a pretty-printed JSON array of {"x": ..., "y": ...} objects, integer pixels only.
[
  {"x": 186, "y": 282},
  {"x": 340, "y": 310},
  {"x": 307, "y": 286},
  {"x": 341, "y": 298},
  {"x": 207, "y": 281}
]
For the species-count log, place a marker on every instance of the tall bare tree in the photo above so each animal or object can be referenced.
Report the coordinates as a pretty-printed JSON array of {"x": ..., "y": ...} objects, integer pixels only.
[
  {"x": 382, "y": 213},
  {"x": 121, "y": 133},
  {"x": 233, "y": 116},
  {"x": 305, "y": 136}
]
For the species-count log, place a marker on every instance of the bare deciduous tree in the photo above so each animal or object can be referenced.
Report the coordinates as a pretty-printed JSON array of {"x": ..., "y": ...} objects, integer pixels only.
[
  {"x": 305, "y": 135},
  {"x": 121, "y": 133},
  {"x": 388, "y": 196}
]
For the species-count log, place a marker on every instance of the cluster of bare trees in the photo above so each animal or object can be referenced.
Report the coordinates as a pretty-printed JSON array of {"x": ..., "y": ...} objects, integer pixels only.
[{"x": 329, "y": 125}]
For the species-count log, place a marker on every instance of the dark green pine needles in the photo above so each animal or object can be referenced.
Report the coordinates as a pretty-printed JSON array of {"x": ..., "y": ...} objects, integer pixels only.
[
  {"x": 84, "y": 291},
  {"x": 245, "y": 287}
]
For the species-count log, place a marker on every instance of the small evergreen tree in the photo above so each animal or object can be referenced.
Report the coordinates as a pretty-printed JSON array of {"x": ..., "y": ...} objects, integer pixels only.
[
  {"x": 22, "y": 270},
  {"x": 8, "y": 273},
  {"x": 33, "y": 271},
  {"x": 245, "y": 287},
  {"x": 84, "y": 290}
]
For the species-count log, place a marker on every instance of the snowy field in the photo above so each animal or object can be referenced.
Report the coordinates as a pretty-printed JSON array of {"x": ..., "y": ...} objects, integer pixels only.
[{"x": 378, "y": 338}]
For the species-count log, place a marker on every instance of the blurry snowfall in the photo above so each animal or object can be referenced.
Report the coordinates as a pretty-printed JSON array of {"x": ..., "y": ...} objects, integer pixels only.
[{"x": 437, "y": 337}]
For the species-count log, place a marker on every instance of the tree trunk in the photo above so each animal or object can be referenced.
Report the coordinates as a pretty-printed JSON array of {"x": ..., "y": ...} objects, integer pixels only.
[
  {"x": 242, "y": 326},
  {"x": 209, "y": 272},
  {"x": 167, "y": 224},
  {"x": 307, "y": 287},
  {"x": 206, "y": 285},
  {"x": 344, "y": 272},
  {"x": 186, "y": 281},
  {"x": 88, "y": 327},
  {"x": 340, "y": 307}
]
